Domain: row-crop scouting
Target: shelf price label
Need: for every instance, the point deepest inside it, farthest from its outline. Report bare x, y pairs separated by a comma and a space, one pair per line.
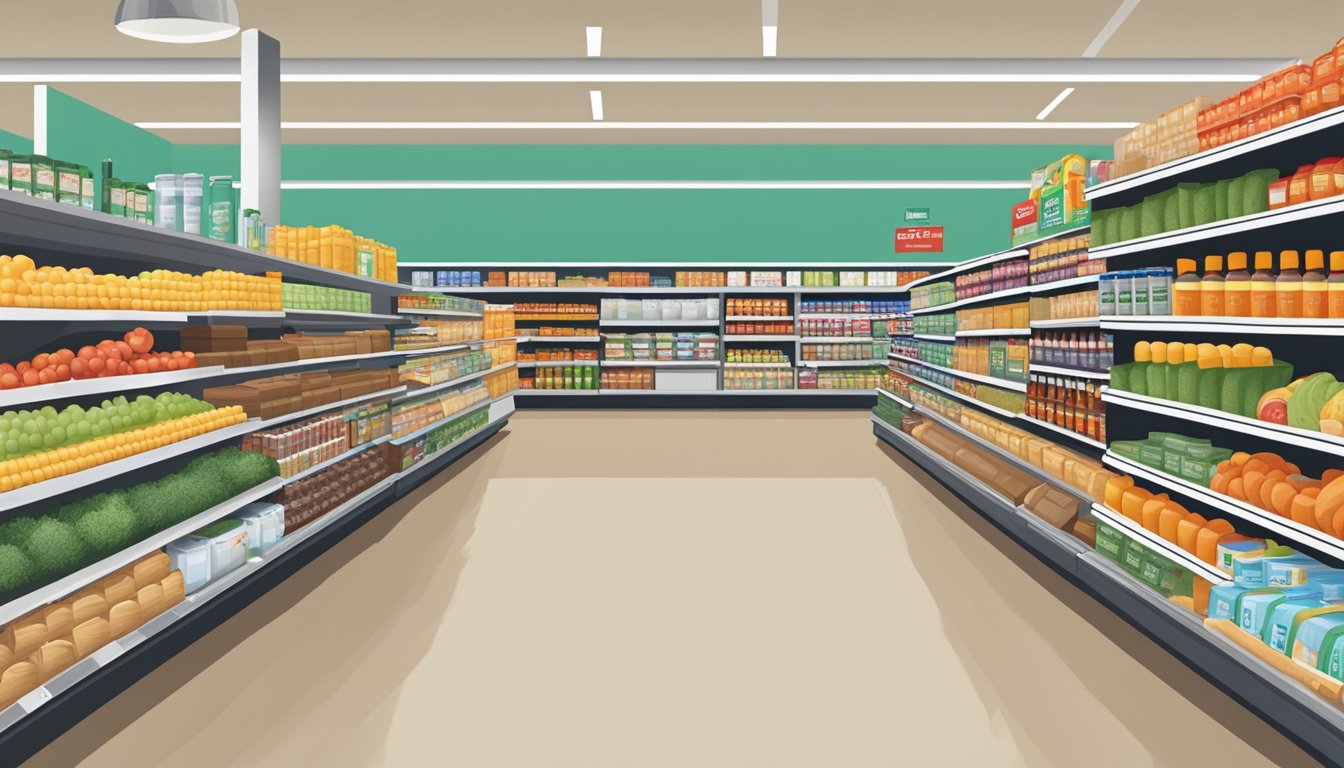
919, 239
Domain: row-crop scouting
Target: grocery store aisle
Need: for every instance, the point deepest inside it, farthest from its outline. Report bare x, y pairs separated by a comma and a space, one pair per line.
675, 589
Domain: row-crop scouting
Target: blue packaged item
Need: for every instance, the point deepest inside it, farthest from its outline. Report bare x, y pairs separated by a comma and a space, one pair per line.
1256, 571
1255, 605
1223, 600
1287, 616
1290, 571
441, 277
1318, 641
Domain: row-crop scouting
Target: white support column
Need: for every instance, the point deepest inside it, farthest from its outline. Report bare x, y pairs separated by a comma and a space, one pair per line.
39, 119
261, 125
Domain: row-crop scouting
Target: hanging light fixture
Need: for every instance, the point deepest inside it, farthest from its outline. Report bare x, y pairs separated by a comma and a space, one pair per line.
178, 21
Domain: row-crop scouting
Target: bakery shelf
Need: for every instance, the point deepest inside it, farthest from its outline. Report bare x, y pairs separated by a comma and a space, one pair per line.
1072, 322
840, 363
65, 390
1278, 326
1280, 433
1243, 149
1151, 540
760, 318
659, 363
441, 313
411, 394
1286, 529
994, 332
759, 337
89, 574
1095, 445
1313, 211
1078, 373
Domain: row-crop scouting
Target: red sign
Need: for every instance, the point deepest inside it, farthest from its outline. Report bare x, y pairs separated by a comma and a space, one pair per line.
916, 239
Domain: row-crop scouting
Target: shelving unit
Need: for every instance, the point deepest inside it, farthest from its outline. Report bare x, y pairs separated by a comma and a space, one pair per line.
994, 333
1095, 445
1151, 540
762, 337
1077, 373
1075, 322
660, 363
1278, 433
1234, 325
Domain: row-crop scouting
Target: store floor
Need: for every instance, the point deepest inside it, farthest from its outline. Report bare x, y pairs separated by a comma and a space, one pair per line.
634, 589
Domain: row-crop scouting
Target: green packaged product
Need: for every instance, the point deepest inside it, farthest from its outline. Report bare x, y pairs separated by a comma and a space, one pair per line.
1255, 190
1186, 194
1111, 543
1304, 405
1157, 380
1151, 212
1099, 219
44, 178
1120, 376
1152, 455
1171, 462
1187, 383
1134, 556
1173, 384
1242, 387
1200, 464
5, 156
1222, 191
1129, 223
1171, 210
1210, 388
1113, 226
1138, 378
1235, 190
1128, 449
1206, 205
1181, 444
21, 173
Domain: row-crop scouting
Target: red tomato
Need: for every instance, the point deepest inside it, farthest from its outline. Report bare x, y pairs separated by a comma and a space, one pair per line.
40, 361
153, 363
139, 340
87, 352
139, 365
30, 378
79, 368
9, 380
62, 372
47, 376
97, 366
65, 355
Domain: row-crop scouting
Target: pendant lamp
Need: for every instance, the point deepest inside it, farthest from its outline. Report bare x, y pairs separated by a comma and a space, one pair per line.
178, 21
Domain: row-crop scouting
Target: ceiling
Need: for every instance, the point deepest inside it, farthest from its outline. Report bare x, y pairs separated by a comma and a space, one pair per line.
642, 29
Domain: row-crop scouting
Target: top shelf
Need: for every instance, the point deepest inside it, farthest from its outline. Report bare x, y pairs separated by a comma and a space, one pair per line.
980, 262
29, 224
1285, 147
674, 291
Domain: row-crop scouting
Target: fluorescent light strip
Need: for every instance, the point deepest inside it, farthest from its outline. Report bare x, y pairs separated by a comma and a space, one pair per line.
769, 40
594, 42
660, 126
447, 184
595, 100
1064, 94
1112, 26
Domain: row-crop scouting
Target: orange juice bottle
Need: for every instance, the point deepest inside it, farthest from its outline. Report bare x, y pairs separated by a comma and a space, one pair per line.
1264, 303
1211, 300
1335, 285
1185, 289
1288, 287
1314, 287
1237, 286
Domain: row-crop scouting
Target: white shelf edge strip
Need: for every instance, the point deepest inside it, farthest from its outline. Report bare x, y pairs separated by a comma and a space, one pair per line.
995, 332
659, 363
85, 576
758, 318
1201, 324
442, 313
1317, 441
1075, 372
840, 363
841, 340
1166, 548
1073, 322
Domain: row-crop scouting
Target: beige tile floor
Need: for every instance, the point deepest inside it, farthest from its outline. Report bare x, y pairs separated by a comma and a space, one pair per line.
675, 589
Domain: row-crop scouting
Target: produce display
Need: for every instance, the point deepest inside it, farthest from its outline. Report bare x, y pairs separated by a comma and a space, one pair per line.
755, 307
658, 310
439, 303
864, 351
24, 284
1080, 350
1185, 205
753, 328
660, 346
415, 415
334, 247
44, 444
317, 297
276, 396
1222, 377
321, 492
1071, 403
758, 378
131, 355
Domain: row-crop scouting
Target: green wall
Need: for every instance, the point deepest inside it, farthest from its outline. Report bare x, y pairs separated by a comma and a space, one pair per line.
79, 133
651, 225
15, 143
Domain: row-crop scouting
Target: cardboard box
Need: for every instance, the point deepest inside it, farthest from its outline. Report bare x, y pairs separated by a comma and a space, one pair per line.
214, 338
247, 397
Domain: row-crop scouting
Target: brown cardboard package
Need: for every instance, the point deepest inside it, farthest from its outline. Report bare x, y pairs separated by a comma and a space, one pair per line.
1086, 531
247, 397
1053, 505
214, 338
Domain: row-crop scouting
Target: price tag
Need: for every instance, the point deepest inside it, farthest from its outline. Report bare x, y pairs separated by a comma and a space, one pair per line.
35, 699
104, 656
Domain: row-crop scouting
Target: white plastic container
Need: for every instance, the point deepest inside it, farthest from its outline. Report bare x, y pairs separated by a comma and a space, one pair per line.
168, 194
226, 546
191, 556
265, 525
193, 195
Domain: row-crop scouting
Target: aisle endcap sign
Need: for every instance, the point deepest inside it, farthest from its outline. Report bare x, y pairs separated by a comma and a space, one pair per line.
919, 239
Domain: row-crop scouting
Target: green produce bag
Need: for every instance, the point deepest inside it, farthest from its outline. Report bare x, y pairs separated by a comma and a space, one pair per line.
1150, 214
1138, 378
1113, 226
1157, 380
1128, 449
1206, 205
1099, 227
1120, 376
1130, 228
1236, 189
1255, 190
1187, 382
1171, 210
1173, 384
1222, 191
1186, 195
1210, 393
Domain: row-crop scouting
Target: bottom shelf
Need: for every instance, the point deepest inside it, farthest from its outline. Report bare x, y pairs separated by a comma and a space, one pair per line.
44, 714
1309, 721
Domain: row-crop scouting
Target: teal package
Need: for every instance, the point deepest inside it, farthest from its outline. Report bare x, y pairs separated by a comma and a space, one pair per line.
1254, 606
1319, 643
1279, 628
1223, 601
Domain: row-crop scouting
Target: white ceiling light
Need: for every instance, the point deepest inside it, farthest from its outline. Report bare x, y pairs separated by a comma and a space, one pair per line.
655, 126
595, 98
178, 21
1064, 94
769, 27
594, 42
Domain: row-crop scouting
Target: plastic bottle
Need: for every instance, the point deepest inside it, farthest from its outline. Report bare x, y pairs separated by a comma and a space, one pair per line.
1185, 290
1106, 295
1124, 293
1335, 285
1159, 291
1288, 286
1264, 302
1211, 300
1237, 286
1314, 286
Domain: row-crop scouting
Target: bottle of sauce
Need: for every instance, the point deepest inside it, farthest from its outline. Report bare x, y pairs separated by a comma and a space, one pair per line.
1185, 290
1264, 302
1314, 286
1288, 287
1211, 298
1335, 285
1237, 286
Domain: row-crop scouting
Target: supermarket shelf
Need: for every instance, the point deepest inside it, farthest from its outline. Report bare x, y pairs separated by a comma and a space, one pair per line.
660, 363
969, 265
431, 427
1310, 211
1278, 326
258, 425
840, 363
1095, 445
1078, 373
839, 339
1286, 529
73, 231
1279, 433
526, 317
1290, 707
1057, 285
38, 315
994, 409
559, 364
85, 576
1074, 322
1016, 386
1242, 148
564, 392
410, 478
559, 339
759, 318
901, 401
358, 449
335, 317
935, 337
411, 394
660, 323
853, 315
758, 365
994, 332
1151, 540
682, 290
441, 313
65, 390
47, 489
759, 337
